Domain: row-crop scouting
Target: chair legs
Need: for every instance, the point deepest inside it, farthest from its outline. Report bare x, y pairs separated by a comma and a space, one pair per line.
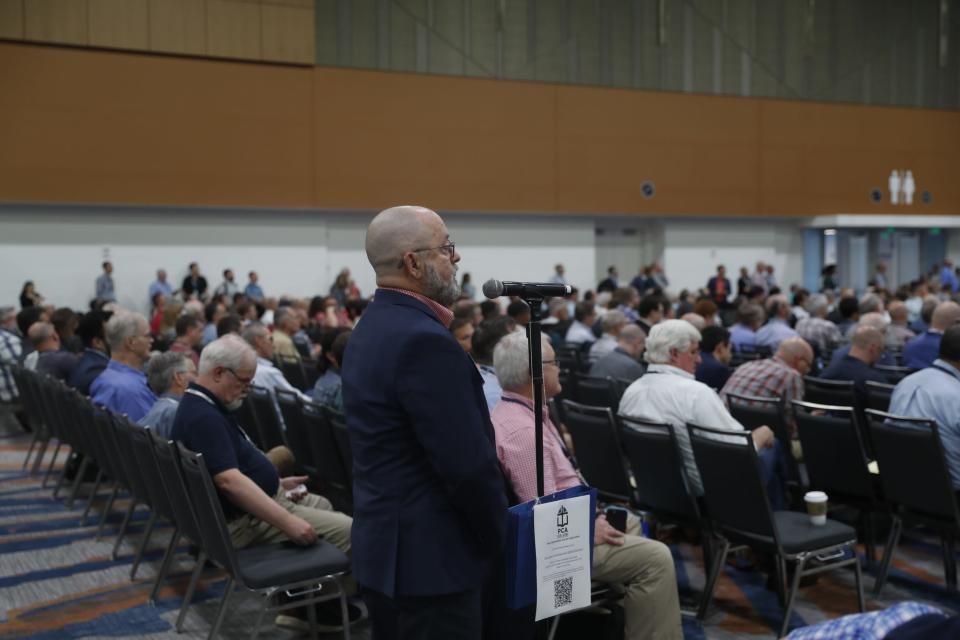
188, 597
53, 460
345, 614
227, 592
106, 510
123, 527
949, 562
144, 541
76, 481
90, 498
63, 475
712, 576
164, 566
859, 578
791, 594
33, 443
888, 555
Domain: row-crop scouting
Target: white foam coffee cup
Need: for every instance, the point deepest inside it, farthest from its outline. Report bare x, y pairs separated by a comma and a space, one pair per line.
816, 507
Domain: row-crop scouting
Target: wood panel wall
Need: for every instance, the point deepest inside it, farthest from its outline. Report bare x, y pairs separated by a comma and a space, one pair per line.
104, 127
265, 30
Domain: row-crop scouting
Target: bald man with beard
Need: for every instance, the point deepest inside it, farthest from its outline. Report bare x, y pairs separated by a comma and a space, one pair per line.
429, 496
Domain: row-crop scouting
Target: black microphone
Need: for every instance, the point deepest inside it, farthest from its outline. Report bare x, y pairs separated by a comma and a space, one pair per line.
493, 288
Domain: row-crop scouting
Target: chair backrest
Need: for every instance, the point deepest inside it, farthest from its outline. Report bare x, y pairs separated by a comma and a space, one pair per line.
147, 463
833, 451
293, 371
654, 458
754, 412
894, 373
168, 465
98, 436
297, 437
595, 443
206, 508
341, 437
878, 395
330, 468
913, 468
835, 393
571, 357
268, 422
124, 442
247, 419
103, 421
596, 392
733, 492
311, 372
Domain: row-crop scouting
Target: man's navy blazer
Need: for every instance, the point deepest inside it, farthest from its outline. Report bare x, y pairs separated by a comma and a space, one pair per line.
428, 494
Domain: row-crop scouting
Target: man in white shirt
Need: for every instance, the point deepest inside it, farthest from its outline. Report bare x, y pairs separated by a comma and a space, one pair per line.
669, 393
585, 314
267, 375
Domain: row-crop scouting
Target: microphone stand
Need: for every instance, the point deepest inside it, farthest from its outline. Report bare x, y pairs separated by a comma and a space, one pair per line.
536, 371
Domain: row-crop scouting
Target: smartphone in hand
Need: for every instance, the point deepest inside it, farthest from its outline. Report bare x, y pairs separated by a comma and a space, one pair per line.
617, 517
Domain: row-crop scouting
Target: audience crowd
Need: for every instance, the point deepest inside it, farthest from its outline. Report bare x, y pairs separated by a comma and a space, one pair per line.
678, 355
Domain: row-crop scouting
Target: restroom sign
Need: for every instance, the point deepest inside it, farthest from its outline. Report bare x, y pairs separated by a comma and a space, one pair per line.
901, 186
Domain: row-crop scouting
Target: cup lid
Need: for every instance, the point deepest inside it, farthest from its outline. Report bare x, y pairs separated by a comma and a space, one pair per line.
815, 496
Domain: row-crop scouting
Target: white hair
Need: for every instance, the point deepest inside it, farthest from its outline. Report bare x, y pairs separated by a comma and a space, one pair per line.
667, 335
229, 352
873, 319
612, 320
511, 360
817, 303
122, 325
161, 367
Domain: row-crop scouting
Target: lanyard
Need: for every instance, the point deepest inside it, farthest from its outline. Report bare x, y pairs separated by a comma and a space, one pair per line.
234, 422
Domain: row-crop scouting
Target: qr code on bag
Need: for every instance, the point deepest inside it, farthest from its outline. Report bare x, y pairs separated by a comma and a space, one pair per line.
563, 592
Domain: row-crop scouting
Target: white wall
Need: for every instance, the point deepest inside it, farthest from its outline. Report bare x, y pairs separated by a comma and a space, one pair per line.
694, 247
295, 252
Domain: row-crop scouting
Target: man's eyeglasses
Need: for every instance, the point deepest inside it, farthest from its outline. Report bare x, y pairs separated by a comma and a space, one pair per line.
246, 382
446, 249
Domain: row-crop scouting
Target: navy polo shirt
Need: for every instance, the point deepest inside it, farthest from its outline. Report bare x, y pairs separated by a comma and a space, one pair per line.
712, 372
850, 368
205, 426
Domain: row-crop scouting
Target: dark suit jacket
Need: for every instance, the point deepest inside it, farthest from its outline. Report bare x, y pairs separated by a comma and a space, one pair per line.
712, 287
429, 501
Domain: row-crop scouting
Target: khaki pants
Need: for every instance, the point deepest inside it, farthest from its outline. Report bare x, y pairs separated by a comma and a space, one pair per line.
331, 525
644, 570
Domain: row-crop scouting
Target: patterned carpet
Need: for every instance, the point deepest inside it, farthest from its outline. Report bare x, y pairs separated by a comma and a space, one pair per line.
57, 581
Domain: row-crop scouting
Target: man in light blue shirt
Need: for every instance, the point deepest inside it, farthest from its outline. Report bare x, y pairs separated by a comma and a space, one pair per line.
168, 375
948, 279
160, 286
934, 393
122, 387
105, 289
743, 335
253, 290
777, 329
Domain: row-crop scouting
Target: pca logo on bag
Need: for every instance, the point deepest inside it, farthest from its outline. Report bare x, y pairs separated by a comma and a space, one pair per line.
563, 519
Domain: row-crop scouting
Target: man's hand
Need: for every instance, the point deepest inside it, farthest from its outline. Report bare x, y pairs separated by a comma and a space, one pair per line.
604, 533
291, 482
300, 531
763, 437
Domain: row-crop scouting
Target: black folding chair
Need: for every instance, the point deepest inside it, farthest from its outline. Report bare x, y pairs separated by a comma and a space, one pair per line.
878, 395
595, 443
916, 483
140, 484
292, 369
572, 358
267, 570
247, 419
596, 392
739, 509
268, 421
753, 412
837, 463
297, 436
894, 373
311, 372
334, 478
341, 437
168, 465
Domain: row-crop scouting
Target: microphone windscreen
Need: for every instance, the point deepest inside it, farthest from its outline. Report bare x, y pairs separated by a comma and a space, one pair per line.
493, 288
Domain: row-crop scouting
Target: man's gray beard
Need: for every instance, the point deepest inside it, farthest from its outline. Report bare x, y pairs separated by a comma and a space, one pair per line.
236, 404
445, 293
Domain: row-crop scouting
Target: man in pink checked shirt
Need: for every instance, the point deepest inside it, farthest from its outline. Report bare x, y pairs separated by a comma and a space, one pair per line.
642, 568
